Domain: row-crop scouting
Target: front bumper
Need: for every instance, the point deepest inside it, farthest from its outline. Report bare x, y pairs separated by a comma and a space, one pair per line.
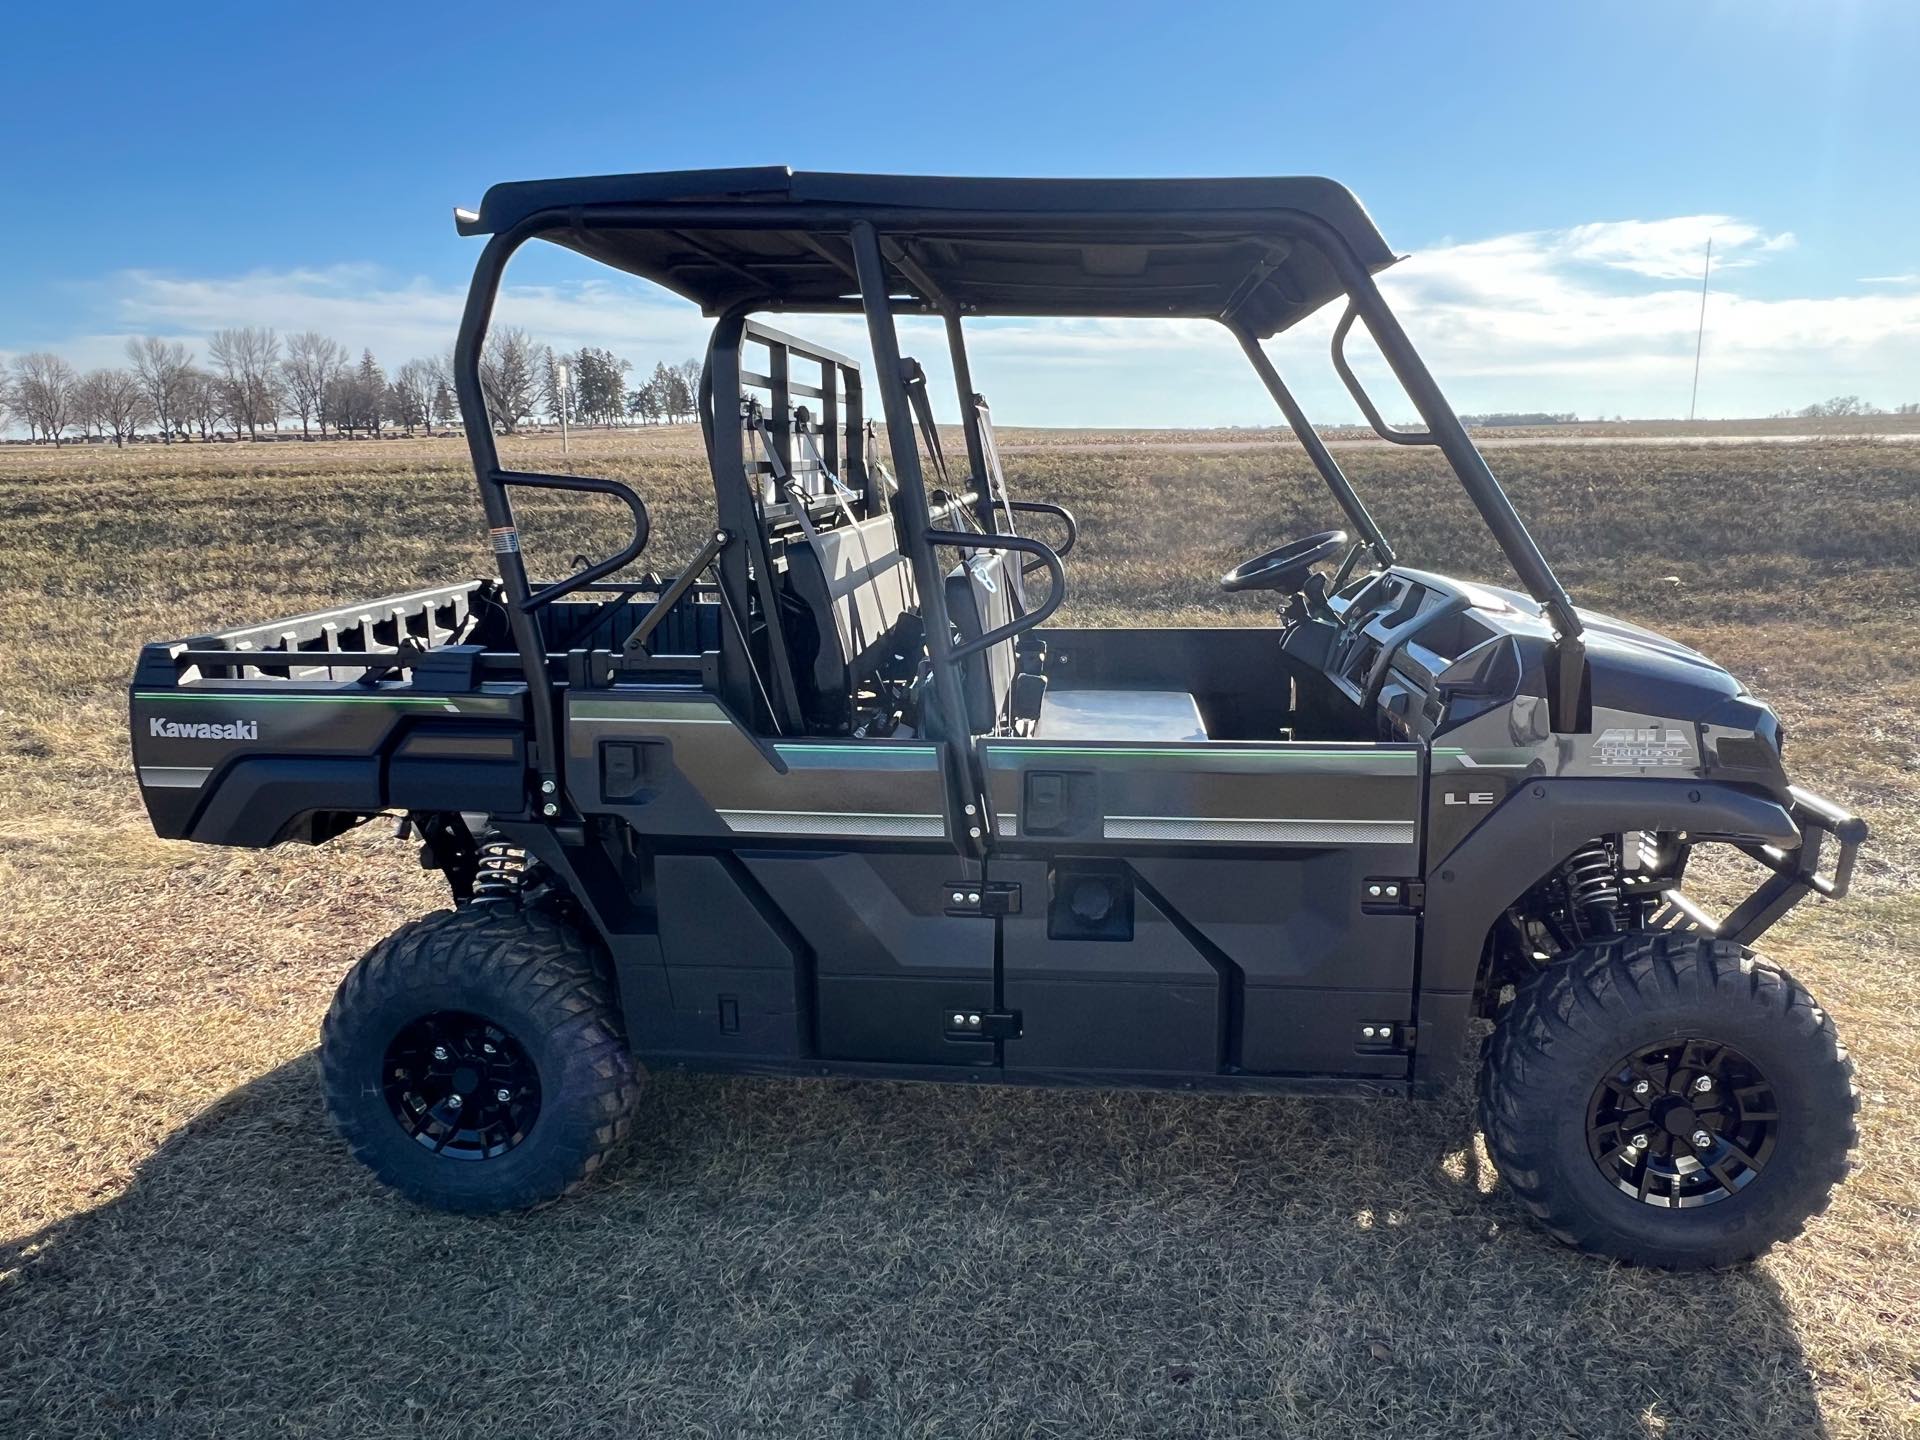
1794, 873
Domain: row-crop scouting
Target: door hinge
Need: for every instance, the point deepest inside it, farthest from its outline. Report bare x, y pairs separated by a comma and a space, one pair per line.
1390, 895
973, 898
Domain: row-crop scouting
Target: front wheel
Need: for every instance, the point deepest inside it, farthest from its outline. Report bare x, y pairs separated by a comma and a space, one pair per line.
1669, 1100
475, 1059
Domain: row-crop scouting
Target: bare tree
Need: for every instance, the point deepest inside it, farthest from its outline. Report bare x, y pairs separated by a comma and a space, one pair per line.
115, 402
311, 362
200, 400
248, 364
43, 392
690, 377
1838, 408
413, 394
86, 405
163, 367
509, 378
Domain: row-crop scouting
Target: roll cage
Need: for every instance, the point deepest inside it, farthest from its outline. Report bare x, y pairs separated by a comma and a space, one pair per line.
1255, 255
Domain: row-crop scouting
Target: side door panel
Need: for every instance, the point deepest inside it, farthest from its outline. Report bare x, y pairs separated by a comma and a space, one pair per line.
829, 938
1246, 870
1103, 978
890, 968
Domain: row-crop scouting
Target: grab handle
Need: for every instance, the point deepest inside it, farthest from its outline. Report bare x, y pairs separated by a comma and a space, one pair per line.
1020, 624
592, 485
1359, 393
1058, 512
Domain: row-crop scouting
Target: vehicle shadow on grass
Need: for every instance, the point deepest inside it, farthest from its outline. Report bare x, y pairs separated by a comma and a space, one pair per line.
783, 1258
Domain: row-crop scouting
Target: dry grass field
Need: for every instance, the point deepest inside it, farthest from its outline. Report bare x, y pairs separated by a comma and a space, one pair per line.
185, 1249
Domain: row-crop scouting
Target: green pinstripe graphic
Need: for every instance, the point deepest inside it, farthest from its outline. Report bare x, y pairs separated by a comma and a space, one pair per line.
255, 697
1508, 756
854, 747
882, 755
1209, 752
851, 753
692, 712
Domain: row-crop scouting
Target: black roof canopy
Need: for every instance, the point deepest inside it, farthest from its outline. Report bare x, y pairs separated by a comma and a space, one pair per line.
1251, 250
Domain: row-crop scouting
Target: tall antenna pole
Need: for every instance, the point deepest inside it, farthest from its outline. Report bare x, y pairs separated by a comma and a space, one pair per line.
1700, 337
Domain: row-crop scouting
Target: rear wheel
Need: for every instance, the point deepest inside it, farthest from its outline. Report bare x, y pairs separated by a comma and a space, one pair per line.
1668, 1099
475, 1059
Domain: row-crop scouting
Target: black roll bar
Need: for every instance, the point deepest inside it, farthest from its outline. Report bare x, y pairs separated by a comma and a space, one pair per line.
1444, 430
522, 622
1316, 448
917, 530
970, 419
745, 568
1450, 436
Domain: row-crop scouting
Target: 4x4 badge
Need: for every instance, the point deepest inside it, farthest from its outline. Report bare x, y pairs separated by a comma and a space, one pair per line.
1638, 745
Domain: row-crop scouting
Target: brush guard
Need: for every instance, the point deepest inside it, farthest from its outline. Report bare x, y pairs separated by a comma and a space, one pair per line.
1795, 874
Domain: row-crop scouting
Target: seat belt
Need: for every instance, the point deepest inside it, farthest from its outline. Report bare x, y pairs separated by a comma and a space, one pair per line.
889, 487
916, 383
843, 494
785, 483
996, 482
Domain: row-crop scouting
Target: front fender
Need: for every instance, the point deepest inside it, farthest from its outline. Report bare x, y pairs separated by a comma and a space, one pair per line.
1533, 831
1541, 824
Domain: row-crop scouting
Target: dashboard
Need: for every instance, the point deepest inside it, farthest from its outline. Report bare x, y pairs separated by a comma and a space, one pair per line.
1415, 651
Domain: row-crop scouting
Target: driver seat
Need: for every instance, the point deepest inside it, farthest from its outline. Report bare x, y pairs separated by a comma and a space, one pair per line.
1120, 715
978, 600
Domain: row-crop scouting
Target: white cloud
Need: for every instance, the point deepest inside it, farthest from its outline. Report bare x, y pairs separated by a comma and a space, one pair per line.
1671, 249
1531, 313
1595, 319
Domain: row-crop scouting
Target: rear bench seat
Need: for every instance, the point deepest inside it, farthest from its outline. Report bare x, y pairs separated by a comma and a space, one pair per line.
854, 580
979, 600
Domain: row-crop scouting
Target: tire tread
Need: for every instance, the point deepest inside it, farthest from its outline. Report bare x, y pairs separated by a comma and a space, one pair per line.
1628, 978
541, 965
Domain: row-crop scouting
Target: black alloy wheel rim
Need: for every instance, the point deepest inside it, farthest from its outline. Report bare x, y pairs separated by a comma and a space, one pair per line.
461, 1086
1683, 1123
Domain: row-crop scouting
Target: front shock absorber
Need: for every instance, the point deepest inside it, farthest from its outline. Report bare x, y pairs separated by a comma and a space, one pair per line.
1592, 878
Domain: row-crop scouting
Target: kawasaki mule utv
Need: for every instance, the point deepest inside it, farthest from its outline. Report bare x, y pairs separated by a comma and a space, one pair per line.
837, 798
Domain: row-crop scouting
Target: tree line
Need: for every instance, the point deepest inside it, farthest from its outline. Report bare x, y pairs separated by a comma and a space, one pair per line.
1841, 407
253, 379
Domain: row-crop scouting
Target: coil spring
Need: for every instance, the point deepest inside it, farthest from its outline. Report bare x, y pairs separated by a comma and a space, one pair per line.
1593, 887
499, 871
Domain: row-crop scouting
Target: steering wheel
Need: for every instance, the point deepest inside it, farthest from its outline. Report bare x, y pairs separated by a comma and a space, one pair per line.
1287, 567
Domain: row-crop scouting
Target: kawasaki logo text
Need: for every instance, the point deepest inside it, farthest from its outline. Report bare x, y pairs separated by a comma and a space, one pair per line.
229, 730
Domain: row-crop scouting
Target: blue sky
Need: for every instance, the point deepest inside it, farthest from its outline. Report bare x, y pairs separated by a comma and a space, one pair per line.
1553, 171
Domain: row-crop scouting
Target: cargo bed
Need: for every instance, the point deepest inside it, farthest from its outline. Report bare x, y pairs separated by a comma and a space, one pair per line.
297, 729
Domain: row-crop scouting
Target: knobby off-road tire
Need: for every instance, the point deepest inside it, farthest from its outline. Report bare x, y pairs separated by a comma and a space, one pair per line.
529, 992
1584, 1019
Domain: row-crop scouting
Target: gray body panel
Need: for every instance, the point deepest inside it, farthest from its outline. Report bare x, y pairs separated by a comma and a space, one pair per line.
802, 903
